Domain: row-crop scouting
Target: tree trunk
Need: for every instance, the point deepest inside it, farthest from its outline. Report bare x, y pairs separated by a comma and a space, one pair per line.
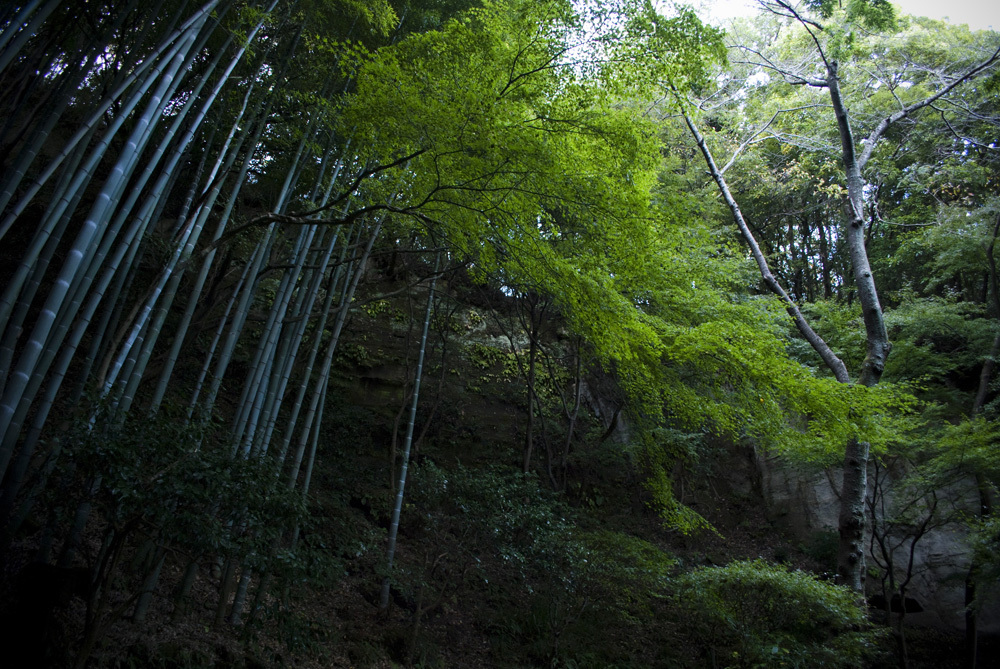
850, 553
835, 364
983, 486
851, 560
851, 521
407, 442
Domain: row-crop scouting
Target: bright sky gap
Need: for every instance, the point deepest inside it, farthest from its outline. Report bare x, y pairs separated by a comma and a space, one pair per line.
977, 14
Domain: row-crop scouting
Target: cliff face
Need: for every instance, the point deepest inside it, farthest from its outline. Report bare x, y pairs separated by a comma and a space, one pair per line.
476, 413
932, 561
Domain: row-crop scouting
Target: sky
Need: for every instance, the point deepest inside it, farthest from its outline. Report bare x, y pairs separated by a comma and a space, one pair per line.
978, 14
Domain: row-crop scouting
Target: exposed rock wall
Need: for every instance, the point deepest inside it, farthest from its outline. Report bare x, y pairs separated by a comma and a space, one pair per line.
804, 501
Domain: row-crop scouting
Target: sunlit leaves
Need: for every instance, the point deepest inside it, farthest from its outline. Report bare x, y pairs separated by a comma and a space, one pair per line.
527, 156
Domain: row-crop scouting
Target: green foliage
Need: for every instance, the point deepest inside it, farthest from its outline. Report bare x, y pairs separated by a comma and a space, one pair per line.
841, 327
756, 614
518, 136
557, 594
522, 155
486, 357
969, 446
632, 572
496, 371
936, 338
985, 540
845, 20
378, 307
821, 546
735, 377
378, 14
159, 478
948, 257
675, 516
599, 618
660, 458
872, 14
507, 513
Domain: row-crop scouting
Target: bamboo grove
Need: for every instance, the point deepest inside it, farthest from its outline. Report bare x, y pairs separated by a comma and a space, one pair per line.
188, 186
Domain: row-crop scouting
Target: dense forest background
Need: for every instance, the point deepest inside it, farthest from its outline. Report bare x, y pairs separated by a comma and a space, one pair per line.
497, 333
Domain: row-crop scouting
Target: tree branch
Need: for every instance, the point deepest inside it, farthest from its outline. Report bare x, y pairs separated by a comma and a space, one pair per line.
362, 175
809, 25
884, 124
961, 138
788, 76
752, 137
835, 364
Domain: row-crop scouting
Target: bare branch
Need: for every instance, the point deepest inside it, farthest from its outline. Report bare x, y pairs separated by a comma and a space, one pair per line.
788, 76
753, 137
968, 111
791, 15
884, 124
967, 140
362, 175
811, 27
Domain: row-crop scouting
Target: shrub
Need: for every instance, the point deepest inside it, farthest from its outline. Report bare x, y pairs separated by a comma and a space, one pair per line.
756, 614
553, 594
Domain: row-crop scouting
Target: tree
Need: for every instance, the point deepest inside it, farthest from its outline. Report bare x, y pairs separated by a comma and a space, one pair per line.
832, 44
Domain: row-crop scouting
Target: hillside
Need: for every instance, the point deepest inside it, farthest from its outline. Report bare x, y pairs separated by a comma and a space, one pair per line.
497, 333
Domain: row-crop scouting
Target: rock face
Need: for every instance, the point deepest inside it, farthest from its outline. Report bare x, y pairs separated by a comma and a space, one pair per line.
805, 503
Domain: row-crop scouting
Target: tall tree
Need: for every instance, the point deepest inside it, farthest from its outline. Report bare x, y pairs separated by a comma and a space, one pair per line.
827, 32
